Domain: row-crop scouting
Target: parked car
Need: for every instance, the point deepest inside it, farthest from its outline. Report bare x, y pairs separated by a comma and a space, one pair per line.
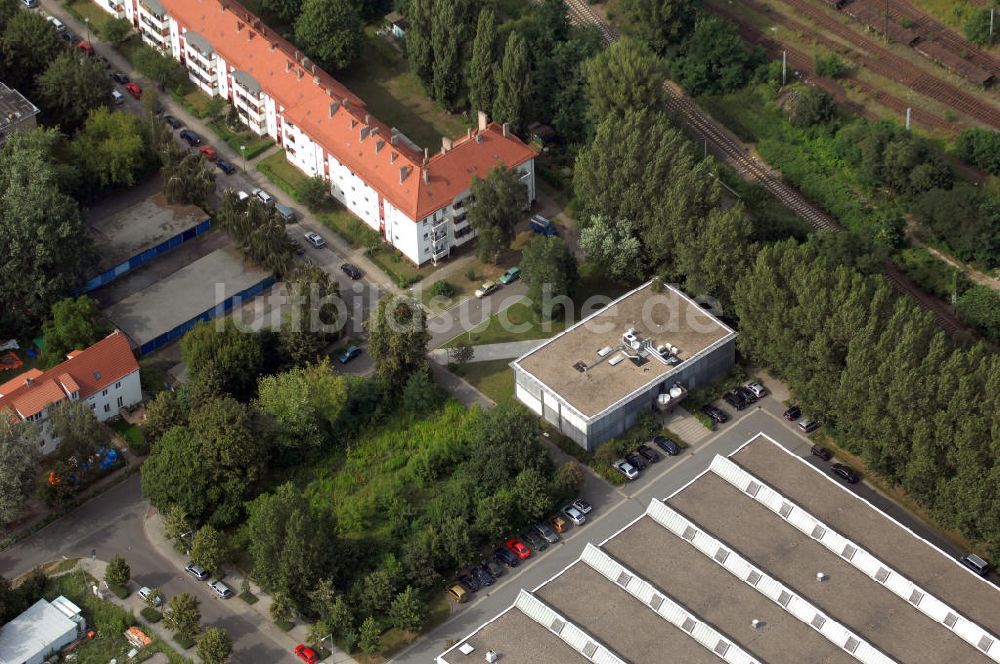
209, 152
976, 564
636, 461
667, 445
534, 540
196, 571
626, 469
144, 594
821, 452
845, 473
756, 388
221, 589
559, 523
172, 121
134, 90
487, 288
792, 413
286, 213
306, 654
85, 48
482, 576
349, 354
225, 166
117, 97
457, 593
506, 557
546, 532
511, 275
583, 506
190, 137
734, 401
468, 582
263, 196
518, 548
647, 453
717, 414
242, 195
808, 425
315, 239
493, 567
56, 23
69, 37
574, 515
749, 396
351, 270
30, 4
120, 78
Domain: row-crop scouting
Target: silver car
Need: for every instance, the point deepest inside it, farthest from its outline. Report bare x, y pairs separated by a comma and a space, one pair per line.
221, 589
574, 515
196, 571
546, 532
144, 593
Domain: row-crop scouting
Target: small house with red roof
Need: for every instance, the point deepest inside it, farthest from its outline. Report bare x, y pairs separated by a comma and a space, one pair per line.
415, 199
105, 376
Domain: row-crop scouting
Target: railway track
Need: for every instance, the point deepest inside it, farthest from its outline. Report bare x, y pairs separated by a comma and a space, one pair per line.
733, 152
887, 64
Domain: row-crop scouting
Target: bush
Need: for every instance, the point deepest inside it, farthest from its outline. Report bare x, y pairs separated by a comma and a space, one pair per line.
929, 272
470, 274
980, 307
977, 28
120, 591
980, 148
116, 31
814, 106
830, 65
443, 289
314, 193
184, 641
151, 615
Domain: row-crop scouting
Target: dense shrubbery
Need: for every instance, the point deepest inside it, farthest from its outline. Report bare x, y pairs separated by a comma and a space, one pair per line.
981, 148
964, 218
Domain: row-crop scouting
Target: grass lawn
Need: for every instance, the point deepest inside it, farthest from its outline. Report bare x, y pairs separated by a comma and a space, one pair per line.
464, 286
199, 104
383, 80
527, 323
493, 378
132, 433
85, 9
108, 620
254, 144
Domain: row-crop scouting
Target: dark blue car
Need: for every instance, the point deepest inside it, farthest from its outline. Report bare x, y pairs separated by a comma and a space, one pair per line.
190, 137
225, 166
349, 354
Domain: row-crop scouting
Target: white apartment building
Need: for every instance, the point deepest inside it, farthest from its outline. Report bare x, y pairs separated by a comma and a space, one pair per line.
413, 199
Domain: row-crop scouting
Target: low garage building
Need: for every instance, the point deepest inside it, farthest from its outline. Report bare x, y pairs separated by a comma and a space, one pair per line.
46, 627
594, 380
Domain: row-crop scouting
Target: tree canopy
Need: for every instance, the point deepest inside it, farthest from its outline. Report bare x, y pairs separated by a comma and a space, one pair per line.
498, 204
28, 45
220, 351
306, 403
75, 325
110, 147
549, 269
513, 83
330, 31
70, 88
19, 445
397, 339
661, 23
625, 76
715, 59
481, 74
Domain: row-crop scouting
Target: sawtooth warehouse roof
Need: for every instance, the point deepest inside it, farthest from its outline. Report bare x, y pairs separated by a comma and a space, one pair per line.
761, 558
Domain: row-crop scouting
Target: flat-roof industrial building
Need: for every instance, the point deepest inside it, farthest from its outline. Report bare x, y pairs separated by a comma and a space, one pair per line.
594, 380
44, 628
761, 558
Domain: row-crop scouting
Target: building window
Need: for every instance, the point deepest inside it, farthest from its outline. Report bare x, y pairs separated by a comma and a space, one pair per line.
118, 385
93, 406
104, 393
107, 408
120, 402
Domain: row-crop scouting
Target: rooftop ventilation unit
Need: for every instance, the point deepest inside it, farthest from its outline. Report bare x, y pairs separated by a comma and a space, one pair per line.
630, 339
616, 359
581, 367
492, 656
604, 351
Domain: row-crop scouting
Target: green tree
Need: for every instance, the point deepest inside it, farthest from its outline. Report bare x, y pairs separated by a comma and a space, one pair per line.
215, 646
981, 148
625, 76
615, 246
716, 59
661, 23
549, 270
70, 88
513, 83
377, 591
317, 315
281, 608
719, 247
8, 10
315, 193
158, 66
980, 307
567, 481
286, 11
397, 339
481, 74
109, 148
177, 527
407, 612
330, 31
419, 44
209, 549
19, 445
116, 31
237, 357
977, 27
76, 427
187, 177
421, 395
46, 248
370, 636
154, 597
75, 325
164, 412
28, 45
183, 615
306, 402
446, 28
499, 203
532, 494
118, 572
812, 107
830, 65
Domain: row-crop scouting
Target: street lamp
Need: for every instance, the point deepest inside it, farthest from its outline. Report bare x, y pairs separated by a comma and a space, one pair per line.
87, 21
243, 151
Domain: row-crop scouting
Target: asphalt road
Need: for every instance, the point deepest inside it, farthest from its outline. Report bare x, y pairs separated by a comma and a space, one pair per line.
616, 508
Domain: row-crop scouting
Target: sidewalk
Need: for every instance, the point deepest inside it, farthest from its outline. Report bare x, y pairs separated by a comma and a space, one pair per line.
487, 352
258, 614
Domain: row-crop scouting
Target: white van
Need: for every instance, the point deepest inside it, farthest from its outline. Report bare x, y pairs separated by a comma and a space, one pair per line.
56, 23
117, 97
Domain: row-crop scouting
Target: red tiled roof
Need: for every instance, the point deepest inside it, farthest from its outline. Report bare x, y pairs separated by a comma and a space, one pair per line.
335, 118
89, 371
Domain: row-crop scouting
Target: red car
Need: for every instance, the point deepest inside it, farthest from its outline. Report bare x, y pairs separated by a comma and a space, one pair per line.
86, 48
209, 152
518, 548
134, 90
306, 654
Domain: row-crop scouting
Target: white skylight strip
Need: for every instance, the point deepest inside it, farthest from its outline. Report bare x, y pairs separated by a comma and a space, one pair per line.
853, 554
573, 636
668, 609
767, 585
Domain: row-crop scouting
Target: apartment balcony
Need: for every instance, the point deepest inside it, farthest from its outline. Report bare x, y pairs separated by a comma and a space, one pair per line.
439, 255
439, 224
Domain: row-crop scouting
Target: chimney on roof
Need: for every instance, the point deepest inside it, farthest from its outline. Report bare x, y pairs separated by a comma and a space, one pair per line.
346, 102
403, 172
306, 62
427, 154
250, 35
446, 144
393, 139
427, 175
316, 80
368, 119
479, 138
333, 108
483, 120
298, 55
468, 134
28, 382
506, 130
